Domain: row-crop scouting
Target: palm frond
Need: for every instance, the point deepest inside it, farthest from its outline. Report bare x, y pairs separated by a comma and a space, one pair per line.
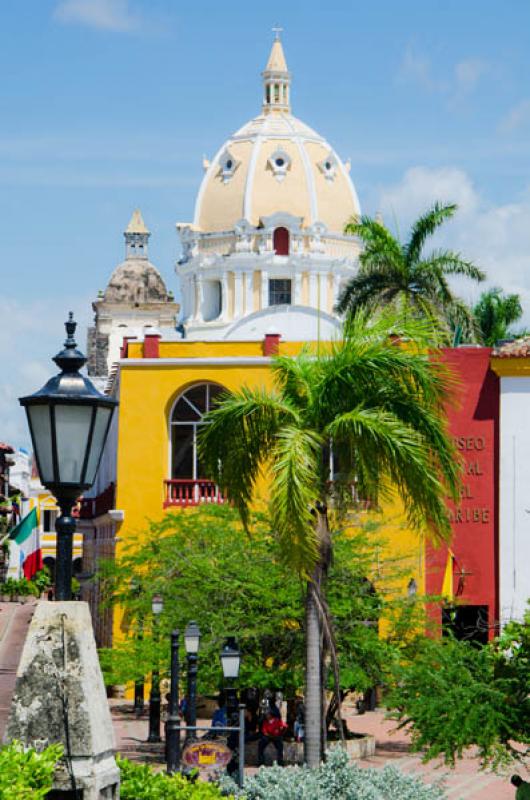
451, 263
239, 436
424, 227
369, 289
294, 494
389, 454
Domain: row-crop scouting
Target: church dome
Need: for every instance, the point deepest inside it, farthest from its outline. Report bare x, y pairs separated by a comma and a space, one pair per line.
136, 281
275, 163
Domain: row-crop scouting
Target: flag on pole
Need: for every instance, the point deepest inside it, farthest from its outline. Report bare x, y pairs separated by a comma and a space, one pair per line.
26, 535
447, 585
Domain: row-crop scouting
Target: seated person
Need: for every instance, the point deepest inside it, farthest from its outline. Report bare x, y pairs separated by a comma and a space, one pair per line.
272, 730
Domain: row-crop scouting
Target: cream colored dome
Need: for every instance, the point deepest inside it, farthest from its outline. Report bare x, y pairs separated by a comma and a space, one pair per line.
275, 163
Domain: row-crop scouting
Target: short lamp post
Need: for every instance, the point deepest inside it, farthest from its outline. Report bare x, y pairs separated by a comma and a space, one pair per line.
157, 606
139, 687
173, 719
69, 421
192, 640
231, 661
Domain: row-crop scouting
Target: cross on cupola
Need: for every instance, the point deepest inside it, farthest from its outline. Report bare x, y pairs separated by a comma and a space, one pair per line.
276, 79
136, 236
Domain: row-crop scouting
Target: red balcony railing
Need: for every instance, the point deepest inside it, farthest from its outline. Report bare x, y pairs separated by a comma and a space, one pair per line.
184, 492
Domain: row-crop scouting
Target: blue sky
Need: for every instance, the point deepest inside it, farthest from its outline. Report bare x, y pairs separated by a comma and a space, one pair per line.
110, 104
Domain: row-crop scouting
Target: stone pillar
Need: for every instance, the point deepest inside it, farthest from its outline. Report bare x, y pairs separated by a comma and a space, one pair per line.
60, 698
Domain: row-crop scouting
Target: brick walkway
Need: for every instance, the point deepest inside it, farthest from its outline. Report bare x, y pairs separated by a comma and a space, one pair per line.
464, 782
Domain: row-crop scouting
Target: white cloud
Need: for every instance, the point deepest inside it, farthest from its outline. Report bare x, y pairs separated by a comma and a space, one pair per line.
467, 75
458, 82
495, 237
107, 15
518, 116
417, 68
31, 334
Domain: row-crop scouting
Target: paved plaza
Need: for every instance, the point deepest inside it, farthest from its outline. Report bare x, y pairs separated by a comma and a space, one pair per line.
465, 782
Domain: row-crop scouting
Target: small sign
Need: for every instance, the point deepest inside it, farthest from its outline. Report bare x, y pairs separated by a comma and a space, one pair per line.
207, 755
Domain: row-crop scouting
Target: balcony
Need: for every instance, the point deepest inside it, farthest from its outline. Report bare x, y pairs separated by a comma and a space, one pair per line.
184, 492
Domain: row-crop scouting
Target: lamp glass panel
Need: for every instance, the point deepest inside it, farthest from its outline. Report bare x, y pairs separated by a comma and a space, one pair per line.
98, 442
72, 426
191, 643
157, 604
39, 417
230, 664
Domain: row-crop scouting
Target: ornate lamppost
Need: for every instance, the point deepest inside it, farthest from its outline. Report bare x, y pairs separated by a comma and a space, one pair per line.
173, 719
231, 661
69, 421
192, 639
157, 606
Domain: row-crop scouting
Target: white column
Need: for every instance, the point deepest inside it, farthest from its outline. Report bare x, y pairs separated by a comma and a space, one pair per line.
238, 295
297, 289
249, 291
224, 297
264, 289
336, 284
197, 312
313, 291
323, 296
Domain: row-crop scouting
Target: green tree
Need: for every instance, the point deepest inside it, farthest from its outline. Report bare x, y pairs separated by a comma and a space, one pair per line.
495, 312
208, 569
403, 276
361, 421
454, 695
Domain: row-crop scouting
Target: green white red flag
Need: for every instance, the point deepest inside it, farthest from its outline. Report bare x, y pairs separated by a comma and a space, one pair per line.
26, 535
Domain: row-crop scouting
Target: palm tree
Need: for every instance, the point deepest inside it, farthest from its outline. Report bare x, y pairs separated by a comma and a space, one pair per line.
363, 420
405, 277
494, 313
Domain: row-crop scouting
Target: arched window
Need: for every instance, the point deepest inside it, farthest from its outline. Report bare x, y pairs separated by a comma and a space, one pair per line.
280, 241
186, 421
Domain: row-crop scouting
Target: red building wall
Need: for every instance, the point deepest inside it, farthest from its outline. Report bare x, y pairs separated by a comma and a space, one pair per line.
474, 423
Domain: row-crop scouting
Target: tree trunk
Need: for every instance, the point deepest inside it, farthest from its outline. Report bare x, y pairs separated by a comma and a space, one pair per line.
313, 689
313, 685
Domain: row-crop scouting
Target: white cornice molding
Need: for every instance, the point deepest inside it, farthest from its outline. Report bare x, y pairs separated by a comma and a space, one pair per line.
236, 361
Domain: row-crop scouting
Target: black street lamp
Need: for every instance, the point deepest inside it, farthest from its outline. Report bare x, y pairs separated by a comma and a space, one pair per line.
231, 661
69, 421
157, 606
139, 686
173, 719
192, 639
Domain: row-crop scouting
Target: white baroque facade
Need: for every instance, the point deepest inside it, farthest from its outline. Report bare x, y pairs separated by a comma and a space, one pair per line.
266, 250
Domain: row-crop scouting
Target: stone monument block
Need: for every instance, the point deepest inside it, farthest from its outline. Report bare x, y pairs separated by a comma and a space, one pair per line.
60, 698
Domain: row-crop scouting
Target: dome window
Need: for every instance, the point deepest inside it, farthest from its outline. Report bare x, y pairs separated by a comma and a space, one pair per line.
328, 167
228, 166
279, 162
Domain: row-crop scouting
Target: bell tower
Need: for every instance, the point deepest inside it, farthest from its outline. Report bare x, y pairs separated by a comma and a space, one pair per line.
276, 79
136, 237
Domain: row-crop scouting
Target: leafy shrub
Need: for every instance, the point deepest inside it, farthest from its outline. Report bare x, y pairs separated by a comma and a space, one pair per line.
26, 774
334, 780
139, 782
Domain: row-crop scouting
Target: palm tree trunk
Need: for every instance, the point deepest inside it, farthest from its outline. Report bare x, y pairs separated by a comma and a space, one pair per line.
313, 685
313, 748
